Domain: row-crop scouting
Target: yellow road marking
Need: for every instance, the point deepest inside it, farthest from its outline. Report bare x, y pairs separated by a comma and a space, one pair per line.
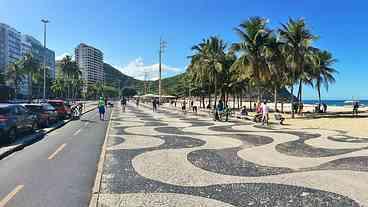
8, 197
57, 151
77, 132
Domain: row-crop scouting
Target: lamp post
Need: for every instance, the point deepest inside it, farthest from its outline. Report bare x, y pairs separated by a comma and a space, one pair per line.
44, 21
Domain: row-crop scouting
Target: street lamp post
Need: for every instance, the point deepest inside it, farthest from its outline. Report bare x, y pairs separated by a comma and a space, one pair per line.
44, 21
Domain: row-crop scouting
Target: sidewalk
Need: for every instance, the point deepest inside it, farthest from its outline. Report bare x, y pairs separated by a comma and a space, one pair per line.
30, 139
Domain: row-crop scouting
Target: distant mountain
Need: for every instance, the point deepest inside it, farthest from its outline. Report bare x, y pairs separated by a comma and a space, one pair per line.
114, 77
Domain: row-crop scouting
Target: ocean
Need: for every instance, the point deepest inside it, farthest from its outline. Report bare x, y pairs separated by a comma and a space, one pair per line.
334, 102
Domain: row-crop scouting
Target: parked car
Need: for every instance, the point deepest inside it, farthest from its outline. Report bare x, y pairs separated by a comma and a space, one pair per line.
14, 119
46, 114
62, 108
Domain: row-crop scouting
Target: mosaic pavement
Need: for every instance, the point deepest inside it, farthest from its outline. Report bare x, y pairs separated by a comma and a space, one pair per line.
171, 159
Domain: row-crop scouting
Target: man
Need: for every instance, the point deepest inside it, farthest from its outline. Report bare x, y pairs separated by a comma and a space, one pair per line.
123, 104
137, 102
101, 108
265, 113
154, 105
355, 108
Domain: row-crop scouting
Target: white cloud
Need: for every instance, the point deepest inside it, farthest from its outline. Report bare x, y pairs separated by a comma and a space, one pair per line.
138, 70
62, 55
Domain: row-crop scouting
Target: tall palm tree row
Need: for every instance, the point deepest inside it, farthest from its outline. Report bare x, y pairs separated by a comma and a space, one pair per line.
263, 60
68, 83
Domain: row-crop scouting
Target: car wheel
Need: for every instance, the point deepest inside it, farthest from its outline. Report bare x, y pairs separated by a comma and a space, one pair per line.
12, 135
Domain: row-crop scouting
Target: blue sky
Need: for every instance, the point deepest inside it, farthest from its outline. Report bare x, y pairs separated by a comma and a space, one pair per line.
128, 32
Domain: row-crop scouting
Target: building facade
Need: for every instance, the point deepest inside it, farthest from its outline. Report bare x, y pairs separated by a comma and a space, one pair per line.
14, 45
10, 46
90, 62
26, 48
39, 52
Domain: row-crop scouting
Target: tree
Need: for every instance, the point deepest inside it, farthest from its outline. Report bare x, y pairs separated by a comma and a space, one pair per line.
297, 40
129, 92
323, 71
252, 64
31, 67
15, 75
208, 62
72, 74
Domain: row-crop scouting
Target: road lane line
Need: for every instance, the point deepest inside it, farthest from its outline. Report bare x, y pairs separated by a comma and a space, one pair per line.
77, 132
97, 185
57, 151
8, 197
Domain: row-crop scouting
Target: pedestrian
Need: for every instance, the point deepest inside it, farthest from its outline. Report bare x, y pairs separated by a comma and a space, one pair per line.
184, 107
355, 108
154, 105
101, 108
324, 107
123, 104
137, 102
265, 111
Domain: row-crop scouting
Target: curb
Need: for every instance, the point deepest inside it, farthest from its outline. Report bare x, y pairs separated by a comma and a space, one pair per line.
97, 184
37, 137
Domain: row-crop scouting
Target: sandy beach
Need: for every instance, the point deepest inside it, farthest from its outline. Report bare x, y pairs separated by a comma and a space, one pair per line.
336, 118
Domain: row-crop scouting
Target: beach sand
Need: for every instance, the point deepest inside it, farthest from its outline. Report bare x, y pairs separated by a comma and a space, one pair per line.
352, 126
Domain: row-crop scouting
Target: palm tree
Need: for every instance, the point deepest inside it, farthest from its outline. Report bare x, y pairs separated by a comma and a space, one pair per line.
70, 71
297, 39
252, 64
323, 73
31, 66
58, 87
208, 62
15, 75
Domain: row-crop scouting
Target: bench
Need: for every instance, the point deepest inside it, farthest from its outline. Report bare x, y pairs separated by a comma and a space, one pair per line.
279, 117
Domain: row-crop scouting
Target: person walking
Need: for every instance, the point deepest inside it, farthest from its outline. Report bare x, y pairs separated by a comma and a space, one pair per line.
154, 105
265, 111
355, 108
123, 104
101, 108
137, 102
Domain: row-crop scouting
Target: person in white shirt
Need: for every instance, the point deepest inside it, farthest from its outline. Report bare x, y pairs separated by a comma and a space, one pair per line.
265, 110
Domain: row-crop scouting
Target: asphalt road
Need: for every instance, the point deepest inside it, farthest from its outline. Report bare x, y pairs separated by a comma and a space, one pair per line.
59, 170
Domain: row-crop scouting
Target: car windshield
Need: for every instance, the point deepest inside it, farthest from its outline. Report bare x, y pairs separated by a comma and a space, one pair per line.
56, 104
34, 108
48, 108
4, 111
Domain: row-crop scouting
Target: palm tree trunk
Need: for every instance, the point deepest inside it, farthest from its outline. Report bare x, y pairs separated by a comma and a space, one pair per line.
319, 93
275, 98
30, 86
234, 101
215, 91
209, 97
292, 102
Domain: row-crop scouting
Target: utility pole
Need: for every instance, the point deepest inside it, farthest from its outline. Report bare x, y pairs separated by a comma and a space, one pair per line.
44, 21
162, 48
145, 81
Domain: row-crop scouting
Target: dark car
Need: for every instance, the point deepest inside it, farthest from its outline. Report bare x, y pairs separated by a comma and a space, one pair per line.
14, 119
46, 114
62, 108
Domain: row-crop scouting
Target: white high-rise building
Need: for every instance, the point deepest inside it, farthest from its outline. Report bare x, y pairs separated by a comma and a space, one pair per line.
10, 45
90, 62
